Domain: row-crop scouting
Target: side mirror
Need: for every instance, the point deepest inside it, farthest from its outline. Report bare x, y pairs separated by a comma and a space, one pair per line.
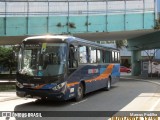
16, 48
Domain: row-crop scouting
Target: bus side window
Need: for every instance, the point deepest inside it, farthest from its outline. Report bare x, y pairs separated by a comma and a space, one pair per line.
93, 58
107, 56
104, 56
83, 54
88, 54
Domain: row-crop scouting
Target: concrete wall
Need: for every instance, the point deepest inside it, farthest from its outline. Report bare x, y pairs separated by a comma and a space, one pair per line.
125, 52
158, 4
19, 26
158, 8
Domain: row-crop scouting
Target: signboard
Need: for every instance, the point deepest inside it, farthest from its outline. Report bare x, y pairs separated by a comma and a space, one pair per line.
145, 65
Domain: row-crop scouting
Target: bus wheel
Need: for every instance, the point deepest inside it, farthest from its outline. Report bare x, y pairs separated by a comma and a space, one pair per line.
80, 92
108, 85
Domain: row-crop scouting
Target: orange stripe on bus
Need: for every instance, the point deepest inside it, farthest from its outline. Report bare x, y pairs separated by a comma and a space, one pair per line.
104, 75
39, 86
72, 84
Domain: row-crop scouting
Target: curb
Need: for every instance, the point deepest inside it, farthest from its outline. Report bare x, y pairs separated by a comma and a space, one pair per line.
153, 82
7, 83
8, 99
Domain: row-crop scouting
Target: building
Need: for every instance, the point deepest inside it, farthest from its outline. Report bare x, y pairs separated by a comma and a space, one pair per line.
158, 6
126, 55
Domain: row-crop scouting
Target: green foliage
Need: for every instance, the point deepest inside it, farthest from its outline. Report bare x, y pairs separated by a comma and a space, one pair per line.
4, 55
157, 26
121, 43
7, 87
59, 24
71, 25
87, 23
7, 58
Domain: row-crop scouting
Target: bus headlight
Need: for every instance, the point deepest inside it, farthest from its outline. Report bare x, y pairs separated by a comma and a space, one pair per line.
19, 84
59, 86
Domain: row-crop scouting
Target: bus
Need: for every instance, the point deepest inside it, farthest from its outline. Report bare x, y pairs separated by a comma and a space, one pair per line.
59, 67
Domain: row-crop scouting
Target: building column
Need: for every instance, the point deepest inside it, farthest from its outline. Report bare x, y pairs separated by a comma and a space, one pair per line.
136, 63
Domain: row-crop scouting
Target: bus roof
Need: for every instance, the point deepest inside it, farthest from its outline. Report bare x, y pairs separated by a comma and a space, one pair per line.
47, 37
68, 39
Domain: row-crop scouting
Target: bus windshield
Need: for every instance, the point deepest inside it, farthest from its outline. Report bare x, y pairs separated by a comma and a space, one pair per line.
45, 59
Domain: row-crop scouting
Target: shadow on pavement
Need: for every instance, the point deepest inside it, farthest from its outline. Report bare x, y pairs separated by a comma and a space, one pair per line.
120, 95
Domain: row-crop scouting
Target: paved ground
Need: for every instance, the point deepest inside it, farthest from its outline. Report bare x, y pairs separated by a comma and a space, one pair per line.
8, 95
129, 94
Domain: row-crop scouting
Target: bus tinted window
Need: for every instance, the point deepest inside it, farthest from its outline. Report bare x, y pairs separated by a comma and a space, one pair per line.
118, 56
72, 57
103, 56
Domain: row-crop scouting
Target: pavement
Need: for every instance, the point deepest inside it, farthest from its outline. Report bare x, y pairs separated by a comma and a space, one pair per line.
140, 78
11, 94
149, 99
7, 94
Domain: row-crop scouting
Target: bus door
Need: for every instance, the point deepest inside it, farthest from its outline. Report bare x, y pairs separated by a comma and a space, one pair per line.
72, 59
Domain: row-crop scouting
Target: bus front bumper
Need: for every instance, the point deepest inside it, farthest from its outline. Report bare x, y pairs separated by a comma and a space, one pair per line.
41, 94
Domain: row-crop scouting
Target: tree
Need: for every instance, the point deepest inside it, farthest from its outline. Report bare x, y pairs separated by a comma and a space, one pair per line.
121, 43
151, 57
7, 58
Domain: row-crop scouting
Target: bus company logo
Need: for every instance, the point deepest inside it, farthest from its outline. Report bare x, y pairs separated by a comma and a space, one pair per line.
6, 114
91, 71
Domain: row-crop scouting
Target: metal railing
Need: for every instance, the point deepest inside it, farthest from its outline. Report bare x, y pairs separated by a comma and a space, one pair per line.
73, 7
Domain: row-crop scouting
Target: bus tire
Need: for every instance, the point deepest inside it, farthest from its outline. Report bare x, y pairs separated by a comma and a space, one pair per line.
79, 92
108, 85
